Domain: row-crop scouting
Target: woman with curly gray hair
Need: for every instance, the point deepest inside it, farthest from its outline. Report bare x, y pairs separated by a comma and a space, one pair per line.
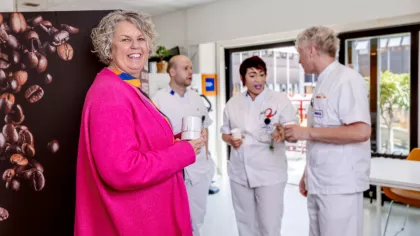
129, 168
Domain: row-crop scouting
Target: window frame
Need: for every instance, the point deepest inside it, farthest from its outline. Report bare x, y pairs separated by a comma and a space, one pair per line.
414, 30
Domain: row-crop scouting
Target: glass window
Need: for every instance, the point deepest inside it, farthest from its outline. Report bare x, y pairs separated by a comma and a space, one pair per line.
386, 68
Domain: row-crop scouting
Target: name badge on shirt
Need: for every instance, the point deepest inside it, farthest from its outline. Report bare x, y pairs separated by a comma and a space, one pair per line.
318, 113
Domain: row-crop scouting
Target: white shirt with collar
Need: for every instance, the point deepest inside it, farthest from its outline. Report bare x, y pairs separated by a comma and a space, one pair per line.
175, 108
253, 164
340, 98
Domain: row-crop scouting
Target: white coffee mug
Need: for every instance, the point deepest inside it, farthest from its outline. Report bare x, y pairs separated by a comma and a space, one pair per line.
236, 133
191, 128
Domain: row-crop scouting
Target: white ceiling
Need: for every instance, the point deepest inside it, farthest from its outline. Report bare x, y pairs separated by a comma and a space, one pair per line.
152, 7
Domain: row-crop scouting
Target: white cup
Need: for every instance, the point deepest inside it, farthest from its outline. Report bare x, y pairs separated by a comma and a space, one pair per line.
191, 128
236, 133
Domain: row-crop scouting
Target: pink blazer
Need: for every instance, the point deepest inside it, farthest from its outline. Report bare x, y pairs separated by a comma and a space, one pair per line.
129, 172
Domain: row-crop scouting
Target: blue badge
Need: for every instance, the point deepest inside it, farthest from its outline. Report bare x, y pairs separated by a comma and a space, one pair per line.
318, 114
210, 85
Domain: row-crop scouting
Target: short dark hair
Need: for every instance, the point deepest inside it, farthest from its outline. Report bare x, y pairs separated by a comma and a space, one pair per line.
252, 62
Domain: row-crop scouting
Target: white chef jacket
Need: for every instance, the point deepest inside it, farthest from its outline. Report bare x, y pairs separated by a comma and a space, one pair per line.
253, 164
340, 98
175, 108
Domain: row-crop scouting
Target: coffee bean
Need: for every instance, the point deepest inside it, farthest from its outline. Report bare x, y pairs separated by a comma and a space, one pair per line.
3, 36
48, 47
20, 127
17, 90
13, 84
9, 118
70, 29
42, 63
8, 175
31, 35
35, 21
19, 170
47, 79
4, 57
27, 173
38, 180
31, 59
28, 150
11, 149
17, 22
34, 93
8, 97
53, 146
37, 165
46, 23
65, 51
2, 141
21, 77
13, 185
5, 105
12, 42
3, 76
15, 116
15, 57
60, 37
25, 136
4, 64
10, 133
5, 27
37, 46
3, 81
22, 22
18, 159
4, 214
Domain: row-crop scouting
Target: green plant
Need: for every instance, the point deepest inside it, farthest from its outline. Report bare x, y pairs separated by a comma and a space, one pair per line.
162, 52
394, 93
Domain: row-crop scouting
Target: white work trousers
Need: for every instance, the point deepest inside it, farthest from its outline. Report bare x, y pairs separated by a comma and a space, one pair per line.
259, 210
197, 199
336, 215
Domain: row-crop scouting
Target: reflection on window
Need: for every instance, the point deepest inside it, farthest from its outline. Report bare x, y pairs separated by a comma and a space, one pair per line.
385, 64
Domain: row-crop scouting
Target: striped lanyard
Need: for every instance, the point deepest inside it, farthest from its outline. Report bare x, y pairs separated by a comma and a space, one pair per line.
137, 83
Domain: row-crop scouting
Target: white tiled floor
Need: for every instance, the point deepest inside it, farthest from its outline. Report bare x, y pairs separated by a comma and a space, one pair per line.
220, 218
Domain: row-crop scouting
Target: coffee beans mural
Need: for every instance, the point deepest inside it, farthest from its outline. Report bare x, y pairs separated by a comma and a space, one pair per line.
46, 68
22, 50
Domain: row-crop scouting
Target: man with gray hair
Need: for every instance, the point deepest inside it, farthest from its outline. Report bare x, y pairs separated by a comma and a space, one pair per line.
338, 138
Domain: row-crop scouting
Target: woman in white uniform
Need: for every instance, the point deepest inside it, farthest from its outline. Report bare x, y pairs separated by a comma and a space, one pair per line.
258, 164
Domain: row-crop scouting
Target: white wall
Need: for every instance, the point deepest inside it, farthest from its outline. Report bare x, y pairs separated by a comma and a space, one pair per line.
171, 29
225, 20
7, 5
206, 55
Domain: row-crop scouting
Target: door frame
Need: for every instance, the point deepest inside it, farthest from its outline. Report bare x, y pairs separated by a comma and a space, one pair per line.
230, 51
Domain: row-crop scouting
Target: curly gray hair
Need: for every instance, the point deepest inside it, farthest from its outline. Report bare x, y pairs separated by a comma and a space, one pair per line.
323, 38
103, 34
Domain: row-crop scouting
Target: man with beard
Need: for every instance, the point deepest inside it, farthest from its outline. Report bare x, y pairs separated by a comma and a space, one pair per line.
176, 102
